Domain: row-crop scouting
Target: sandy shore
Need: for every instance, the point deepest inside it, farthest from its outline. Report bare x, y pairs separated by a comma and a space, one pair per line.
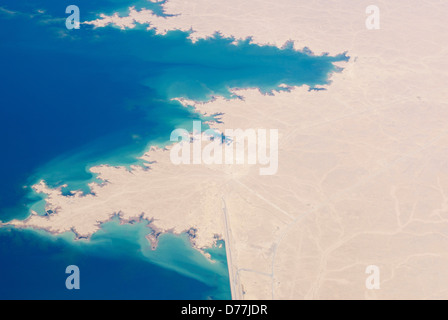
363, 166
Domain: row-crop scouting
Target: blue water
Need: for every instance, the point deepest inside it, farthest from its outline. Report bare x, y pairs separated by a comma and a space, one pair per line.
73, 99
117, 263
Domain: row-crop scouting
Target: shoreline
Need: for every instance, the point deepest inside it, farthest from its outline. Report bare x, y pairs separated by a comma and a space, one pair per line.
361, 173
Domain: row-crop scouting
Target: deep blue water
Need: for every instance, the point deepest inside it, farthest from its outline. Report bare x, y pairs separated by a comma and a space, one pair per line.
70, 99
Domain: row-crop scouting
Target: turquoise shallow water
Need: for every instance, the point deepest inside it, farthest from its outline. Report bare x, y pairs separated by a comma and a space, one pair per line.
70, 100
